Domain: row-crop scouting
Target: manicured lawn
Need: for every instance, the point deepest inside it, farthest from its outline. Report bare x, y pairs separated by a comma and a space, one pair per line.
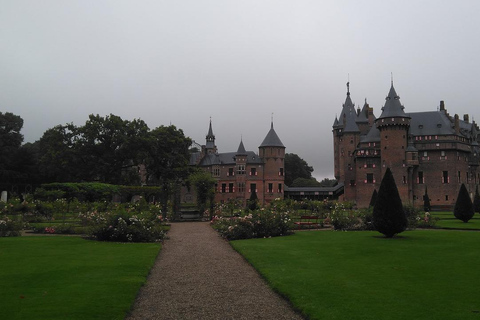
448, 221
71, 278
428, 274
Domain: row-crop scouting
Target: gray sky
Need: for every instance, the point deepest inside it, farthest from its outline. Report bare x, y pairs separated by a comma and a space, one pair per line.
184, 61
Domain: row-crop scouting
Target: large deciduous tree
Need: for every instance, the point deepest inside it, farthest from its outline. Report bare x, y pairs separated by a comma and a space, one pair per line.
10, 141
296, 167
388, 215
167, 159
463, 207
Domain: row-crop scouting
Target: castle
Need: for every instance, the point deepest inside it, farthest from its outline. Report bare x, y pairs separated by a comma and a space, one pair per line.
423, 150
244, 174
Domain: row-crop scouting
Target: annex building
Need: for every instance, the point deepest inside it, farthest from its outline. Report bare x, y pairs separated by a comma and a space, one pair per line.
429, 149
242, 174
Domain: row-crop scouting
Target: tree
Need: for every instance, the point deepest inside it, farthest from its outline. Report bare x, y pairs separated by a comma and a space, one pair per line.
167, 159
326, 182
10, 141
463, 207
426, 202
304, 182
205, 187
373, 199
476, 201
296, 167
388, 215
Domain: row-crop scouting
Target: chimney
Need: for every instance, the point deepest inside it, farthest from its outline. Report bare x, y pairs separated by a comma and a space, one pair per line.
442, 105
465, 118
457, 124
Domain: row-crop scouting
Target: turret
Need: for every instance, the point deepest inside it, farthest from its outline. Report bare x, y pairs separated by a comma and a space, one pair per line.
210, 146
272, 152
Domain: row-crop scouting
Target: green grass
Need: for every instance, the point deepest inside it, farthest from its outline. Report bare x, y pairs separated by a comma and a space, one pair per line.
430, 274
448, 221
71, 278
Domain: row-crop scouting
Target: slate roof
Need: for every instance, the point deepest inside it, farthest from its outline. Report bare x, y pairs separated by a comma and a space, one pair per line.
241, 148
272, 139
351, 124
228, 158
430, 123
392, 108
373, 135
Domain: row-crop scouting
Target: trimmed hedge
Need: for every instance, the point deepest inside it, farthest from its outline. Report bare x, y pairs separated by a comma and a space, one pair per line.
93, 191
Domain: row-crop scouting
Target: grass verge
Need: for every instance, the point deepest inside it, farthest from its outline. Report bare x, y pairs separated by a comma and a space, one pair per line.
430, 274
71, 278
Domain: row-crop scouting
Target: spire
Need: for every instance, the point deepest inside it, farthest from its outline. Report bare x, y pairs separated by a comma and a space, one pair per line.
241, 149
210, 137
272, 139
393, 108
347, 107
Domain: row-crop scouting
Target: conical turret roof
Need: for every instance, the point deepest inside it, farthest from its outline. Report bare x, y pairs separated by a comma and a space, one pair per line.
272, 139
393, 108
351, 125
241, 149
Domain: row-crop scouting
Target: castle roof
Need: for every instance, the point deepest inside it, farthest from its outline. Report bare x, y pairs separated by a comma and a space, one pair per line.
430, 123
362, 115
393, 108
272, 139
228, 158
351, 125
241, 148
372, 136
347, 108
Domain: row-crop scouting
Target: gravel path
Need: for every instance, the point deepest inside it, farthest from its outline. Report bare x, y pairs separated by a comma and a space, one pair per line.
197, 275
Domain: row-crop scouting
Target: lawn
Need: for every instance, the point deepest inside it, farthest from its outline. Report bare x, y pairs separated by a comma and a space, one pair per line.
429, 274
71, 278
448, 221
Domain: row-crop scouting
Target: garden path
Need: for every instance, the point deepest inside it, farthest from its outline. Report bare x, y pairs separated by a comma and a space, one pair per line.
197, 275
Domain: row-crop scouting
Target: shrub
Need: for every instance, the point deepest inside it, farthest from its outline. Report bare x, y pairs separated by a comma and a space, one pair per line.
343, 217
463, 207
122, 227
9, 227
258, 224
388, 215
476, 201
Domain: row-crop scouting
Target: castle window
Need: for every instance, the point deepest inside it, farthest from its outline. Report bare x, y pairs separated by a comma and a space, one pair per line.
420, 179
352, 183
280, 173
370, 178
253, 171
270, 187
442, 155
230, 172
216, 172
224, 187
231, 188
253, 188
445, 178
446, 197
458, 177
279, 188
404, 179
241, 187
241, 169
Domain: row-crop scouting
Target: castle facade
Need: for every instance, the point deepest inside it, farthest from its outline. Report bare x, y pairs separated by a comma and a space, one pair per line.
423, 150
242, 174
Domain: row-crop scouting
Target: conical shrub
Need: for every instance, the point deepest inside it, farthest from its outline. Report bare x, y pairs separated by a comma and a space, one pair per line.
388, 214
373, 199
463, 207
476, 201
426, 202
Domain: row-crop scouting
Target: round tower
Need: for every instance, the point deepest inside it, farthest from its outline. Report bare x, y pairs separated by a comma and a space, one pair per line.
393, 125
272, 152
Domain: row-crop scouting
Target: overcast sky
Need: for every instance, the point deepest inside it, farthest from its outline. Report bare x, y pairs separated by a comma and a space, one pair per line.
184, 61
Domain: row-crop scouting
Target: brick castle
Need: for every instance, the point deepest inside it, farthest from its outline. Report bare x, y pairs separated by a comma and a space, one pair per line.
243, 173
423, 149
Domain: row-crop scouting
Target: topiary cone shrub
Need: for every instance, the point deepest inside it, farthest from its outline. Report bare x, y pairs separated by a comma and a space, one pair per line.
426, 202
373, 199
388, 214
476, 201
463, 207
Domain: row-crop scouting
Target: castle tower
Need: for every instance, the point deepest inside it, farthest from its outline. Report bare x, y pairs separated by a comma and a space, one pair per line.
348, 109
394, 124
272, 152
210, 146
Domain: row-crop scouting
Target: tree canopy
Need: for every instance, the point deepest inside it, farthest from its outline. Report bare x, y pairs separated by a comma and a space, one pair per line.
296, 167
